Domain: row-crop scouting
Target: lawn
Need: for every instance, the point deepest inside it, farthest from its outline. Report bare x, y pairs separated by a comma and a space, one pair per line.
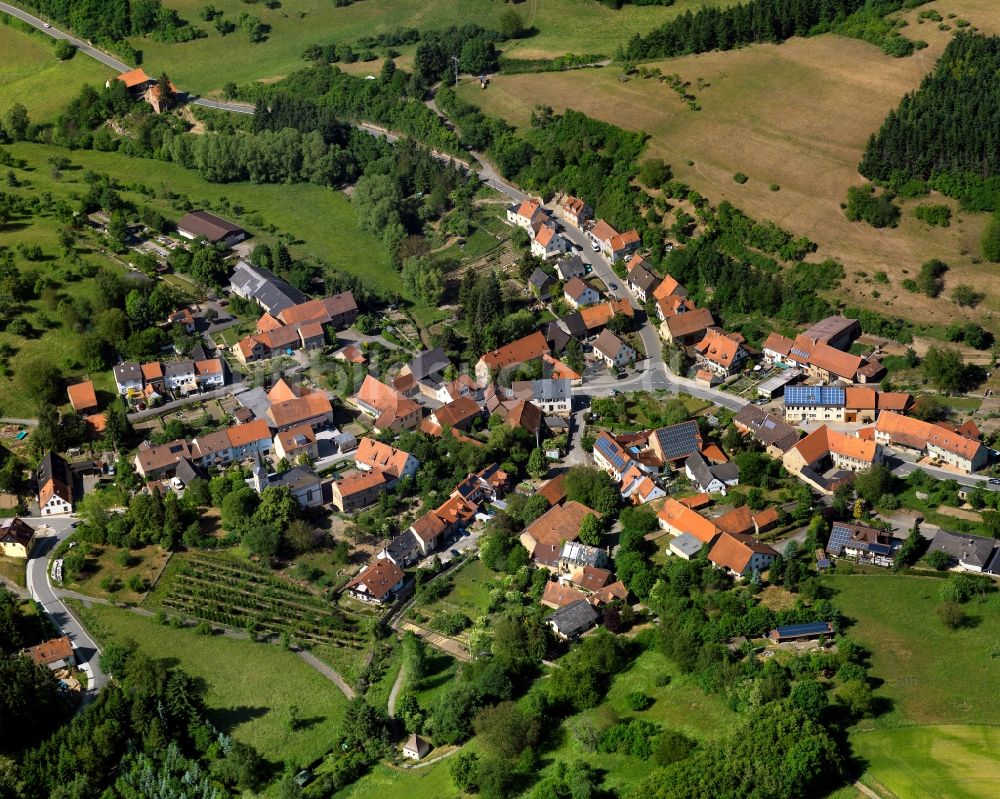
432, 782
915, 656
799, 115
31, 75
205, 65
248, 687
146, 563
469, 594
953, 761
13, 569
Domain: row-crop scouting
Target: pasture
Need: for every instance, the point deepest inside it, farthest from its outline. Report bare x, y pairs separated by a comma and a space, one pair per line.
915, 656
205, 65
248, 686
31, 75
797, 115
953, 761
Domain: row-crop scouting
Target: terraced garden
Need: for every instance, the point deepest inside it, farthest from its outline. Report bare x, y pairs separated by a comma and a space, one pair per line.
248, 597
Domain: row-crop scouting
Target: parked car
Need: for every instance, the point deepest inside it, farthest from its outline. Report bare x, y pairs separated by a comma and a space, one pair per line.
613, 286
994, 481
595, 247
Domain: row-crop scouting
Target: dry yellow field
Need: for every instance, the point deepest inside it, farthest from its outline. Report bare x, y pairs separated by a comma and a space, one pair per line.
799, 115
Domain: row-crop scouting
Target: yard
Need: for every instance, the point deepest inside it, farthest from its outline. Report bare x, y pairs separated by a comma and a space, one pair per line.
109, 577
248, 687
469, 595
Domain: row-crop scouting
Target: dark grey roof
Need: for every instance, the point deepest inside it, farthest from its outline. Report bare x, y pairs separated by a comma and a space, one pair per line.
697, 465
541, 280
831, 327
642, 278
575, 618
686, 543
53, 467
726, 471
570, 265
209, 226
178, 368
574, 325
403, 544
556, 337
428, 362
273, 293
678, 440
127, 372
187, 471
295, 478
994, 565
199, 353
973, 550
767, 429
546, 389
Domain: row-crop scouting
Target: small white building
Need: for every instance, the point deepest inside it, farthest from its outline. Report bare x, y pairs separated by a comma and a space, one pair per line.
416, 748
548, 243
580, 294
612, 350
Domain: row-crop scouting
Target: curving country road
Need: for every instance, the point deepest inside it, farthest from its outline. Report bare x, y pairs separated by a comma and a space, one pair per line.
83, 47
87, 652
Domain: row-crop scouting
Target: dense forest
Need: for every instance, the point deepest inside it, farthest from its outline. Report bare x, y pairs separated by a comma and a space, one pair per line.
712, 28
947, 132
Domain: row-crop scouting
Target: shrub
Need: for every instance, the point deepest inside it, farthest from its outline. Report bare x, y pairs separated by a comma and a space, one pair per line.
863, 204
939, 215
774, 187
637, 700
951, 614
740, 178
966, 296
64, 50
938, 560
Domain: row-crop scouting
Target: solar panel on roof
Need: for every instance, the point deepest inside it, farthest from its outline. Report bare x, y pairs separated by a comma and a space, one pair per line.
769, 424
612, 452
814, 395
678, 440
839, 537
809, 628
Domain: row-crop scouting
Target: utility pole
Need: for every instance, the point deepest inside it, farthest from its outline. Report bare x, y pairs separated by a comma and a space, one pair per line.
455, 59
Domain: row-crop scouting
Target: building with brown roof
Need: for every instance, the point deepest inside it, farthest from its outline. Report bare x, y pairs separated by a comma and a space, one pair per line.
612, 350
390, 409
373, 454
16, 537
579, 294
615, 592
678, 519
57, 653
313, 409
622, 245
359, 490
458, 414
575, 211
82, 397
213, 229
554, 490
527, 214
741, 555
720, 352
557, 595
686, 328
511, 355
592, 578
378, 583
737, 521
937, 443
295, 442
825, 448
547, 242
544, 537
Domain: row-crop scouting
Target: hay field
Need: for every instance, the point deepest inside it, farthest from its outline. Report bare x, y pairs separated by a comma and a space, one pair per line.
798, 115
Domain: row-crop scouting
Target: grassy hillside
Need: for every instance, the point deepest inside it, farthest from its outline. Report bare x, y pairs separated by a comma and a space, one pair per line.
798, 116
31, 75
248, 686
943, 682
205, 65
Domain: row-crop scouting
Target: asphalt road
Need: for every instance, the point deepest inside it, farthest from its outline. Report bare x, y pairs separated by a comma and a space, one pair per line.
87, 652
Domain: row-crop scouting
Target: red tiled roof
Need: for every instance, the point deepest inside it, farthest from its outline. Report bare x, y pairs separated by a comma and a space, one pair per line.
734, 552
82, 396
378, 578
684, 324
517, 352
561, 595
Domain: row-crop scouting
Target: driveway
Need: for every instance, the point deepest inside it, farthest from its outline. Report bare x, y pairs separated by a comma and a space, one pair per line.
52, 530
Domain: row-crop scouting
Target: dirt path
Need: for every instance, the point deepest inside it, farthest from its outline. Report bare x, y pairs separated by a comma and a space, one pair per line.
450, 646
327, 672
396, 688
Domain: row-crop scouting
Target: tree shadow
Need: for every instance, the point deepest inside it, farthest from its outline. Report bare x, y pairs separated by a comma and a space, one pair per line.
227, 719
